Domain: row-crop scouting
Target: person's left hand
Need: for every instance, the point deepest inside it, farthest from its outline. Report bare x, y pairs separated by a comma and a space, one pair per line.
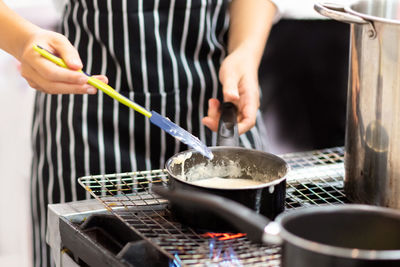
239, 78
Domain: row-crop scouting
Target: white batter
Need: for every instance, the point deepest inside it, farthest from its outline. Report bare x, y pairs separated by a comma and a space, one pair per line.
227, 183
180, 159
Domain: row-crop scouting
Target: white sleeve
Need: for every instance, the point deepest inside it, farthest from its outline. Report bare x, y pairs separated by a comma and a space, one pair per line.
59, 4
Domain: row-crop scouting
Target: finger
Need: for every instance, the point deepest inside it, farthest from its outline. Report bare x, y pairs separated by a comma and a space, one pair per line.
247, 119
64, 88
36, 81
213, 114
53, 72
93, 90
230, 89
245, 125
67, 52
213, 108
102, 78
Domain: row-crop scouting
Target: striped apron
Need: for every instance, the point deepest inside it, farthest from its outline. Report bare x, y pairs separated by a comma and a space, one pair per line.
164, 55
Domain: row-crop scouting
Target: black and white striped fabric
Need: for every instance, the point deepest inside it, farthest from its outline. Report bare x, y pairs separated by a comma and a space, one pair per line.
163, 54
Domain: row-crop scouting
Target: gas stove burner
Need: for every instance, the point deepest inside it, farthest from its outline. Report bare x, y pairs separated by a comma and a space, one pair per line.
142, 226
103, 240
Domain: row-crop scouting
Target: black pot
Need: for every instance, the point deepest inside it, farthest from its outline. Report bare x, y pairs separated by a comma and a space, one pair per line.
230, 161
323, 236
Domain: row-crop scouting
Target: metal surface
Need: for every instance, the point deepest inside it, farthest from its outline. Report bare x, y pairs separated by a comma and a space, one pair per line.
316, 179
228, 162
373, 106
338, 230
338, 13
76, 211
386, 11
267, 197
334, 231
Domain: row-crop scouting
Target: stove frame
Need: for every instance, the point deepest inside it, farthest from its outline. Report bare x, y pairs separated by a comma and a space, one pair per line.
316, 178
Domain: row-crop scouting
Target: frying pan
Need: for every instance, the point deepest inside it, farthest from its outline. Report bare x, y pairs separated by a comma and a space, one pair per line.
189, 168
325, 236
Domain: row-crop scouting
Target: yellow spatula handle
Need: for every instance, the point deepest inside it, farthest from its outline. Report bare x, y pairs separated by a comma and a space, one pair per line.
95, 83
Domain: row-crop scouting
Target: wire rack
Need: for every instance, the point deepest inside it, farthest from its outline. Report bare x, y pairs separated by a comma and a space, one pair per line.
316, 178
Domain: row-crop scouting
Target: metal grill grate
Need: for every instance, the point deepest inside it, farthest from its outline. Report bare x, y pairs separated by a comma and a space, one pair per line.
316, 179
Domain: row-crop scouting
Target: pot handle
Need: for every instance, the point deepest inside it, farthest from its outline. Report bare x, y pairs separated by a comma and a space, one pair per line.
337, 12
256, 226
228, 134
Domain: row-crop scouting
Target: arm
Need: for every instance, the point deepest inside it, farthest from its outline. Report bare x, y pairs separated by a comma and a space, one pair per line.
250, 24
251, 21
17, 37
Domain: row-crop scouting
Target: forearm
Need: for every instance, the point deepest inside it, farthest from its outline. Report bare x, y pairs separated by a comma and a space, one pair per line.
14, 31
250, 24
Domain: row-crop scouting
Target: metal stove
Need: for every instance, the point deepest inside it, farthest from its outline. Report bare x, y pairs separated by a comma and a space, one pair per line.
127, 225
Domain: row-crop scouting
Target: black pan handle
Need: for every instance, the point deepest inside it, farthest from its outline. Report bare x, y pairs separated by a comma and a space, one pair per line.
228, 134
243, 218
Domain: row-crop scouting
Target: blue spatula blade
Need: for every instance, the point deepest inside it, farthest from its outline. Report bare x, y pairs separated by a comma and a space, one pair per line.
180, 134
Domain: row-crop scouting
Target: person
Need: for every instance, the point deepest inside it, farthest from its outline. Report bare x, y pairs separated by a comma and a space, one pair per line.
168, 56
304, 75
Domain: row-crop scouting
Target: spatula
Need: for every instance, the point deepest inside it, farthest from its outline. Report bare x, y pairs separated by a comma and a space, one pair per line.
155, 118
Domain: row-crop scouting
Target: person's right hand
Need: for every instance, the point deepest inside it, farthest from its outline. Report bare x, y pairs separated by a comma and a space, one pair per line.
48, 77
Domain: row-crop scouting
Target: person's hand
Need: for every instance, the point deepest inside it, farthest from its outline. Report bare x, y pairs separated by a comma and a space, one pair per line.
48, 77
238, 76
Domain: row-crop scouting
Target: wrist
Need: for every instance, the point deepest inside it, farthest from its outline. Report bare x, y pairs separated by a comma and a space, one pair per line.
246, 56
26, 39
17, 29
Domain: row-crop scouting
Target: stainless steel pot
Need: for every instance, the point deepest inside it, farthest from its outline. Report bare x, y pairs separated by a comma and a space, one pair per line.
372, 149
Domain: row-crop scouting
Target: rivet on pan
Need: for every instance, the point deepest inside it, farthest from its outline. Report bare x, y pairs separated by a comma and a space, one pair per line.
370, 33
271, 189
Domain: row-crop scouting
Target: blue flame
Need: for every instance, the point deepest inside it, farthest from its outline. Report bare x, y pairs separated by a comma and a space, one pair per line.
176, 262
220, 255
225, 256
